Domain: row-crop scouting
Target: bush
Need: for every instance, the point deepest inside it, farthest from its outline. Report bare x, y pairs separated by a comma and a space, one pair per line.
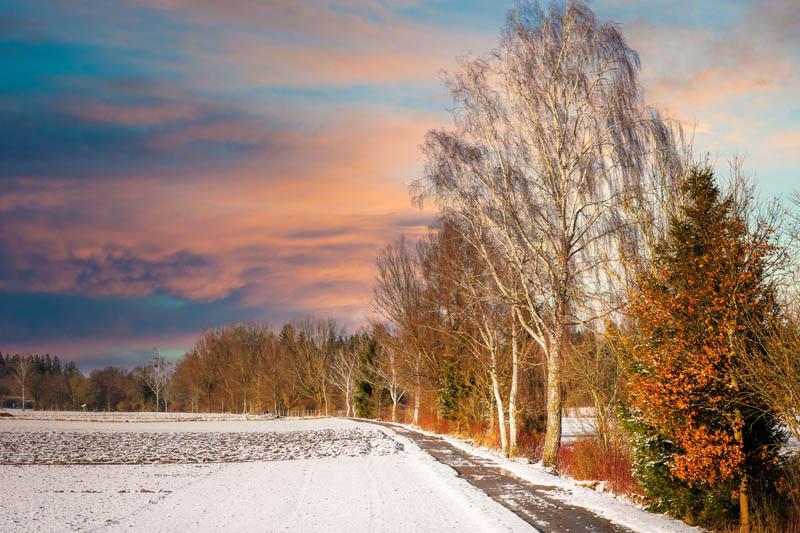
530, 444
593, 459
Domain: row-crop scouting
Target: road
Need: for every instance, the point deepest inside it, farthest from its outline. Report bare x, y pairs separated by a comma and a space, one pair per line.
533, 503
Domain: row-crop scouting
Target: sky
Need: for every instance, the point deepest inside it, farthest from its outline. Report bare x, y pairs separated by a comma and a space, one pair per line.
167, 166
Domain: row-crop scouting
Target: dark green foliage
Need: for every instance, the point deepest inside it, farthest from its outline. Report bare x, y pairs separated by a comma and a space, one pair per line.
456, 385
366, 396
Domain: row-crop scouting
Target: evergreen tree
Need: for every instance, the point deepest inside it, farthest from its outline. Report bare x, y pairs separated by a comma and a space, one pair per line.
699, 437
366, 394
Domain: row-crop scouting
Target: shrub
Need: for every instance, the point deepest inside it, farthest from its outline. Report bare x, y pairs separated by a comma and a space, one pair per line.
592, 459
530, 444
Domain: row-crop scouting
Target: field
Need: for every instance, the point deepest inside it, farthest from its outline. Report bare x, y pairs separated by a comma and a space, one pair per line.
185, 472
229, 474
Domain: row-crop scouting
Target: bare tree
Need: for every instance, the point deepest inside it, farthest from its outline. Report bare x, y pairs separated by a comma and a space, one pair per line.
345, 365
399, 297
546, 161
23, 370
157, 375
774, 373
485, 322
313, 350
595, 373
793, 247
388, 366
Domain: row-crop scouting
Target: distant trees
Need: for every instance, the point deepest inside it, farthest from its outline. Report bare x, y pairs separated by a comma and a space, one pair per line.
23, 370
233, 368
157, 375
309, 364
40, 380
312, 345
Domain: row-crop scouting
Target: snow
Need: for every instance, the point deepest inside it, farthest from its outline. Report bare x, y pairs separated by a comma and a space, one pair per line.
617, 509
281, 425
128, 447
298, 475
575, 427
183, 472
126, 416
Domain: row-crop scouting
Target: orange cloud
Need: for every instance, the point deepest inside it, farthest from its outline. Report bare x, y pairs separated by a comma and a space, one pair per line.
301, 227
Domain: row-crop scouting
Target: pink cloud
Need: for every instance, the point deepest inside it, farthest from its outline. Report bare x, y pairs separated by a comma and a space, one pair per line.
273, 228
137, 115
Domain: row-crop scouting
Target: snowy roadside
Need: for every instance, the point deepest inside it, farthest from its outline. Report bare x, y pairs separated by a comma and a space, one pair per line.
615, 508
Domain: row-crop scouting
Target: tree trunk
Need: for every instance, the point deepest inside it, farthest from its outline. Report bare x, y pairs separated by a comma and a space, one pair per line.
552, 439
744, 488
417, 394
512, 393
501, 418
738, 434
394, 410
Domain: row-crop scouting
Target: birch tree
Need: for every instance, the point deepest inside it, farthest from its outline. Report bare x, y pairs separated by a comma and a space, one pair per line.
484, 321
399, 297
546, 160
388, 366
23, 370
157, 375
344, 368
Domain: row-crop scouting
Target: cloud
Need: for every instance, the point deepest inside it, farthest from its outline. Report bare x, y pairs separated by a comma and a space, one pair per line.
314, 43
135, 115
35, 318
730, 76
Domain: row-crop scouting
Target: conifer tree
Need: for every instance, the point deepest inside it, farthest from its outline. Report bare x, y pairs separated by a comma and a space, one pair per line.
700, 437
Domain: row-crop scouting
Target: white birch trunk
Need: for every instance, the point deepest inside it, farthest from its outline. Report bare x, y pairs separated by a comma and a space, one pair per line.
512, 393
552, 439
501, 418
417, 394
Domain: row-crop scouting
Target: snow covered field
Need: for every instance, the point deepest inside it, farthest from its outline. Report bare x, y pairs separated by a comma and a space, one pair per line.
128, 447
125, 416
280, 475
86, 472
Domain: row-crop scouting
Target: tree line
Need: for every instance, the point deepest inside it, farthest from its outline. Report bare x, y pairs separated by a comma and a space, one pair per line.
42, 382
